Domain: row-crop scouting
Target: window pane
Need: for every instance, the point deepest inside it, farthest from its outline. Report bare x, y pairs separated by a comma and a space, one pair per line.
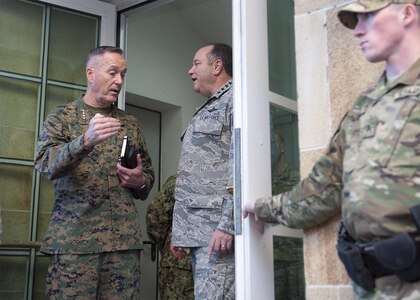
41, 266
46, 202
281, 48
16, 187
69, 45
20, 37
18, 102
12, 277
287, 251
59, 95
289, 276
284, 150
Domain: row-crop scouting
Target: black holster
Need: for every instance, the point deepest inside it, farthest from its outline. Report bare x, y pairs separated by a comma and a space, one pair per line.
351, 256
398, 255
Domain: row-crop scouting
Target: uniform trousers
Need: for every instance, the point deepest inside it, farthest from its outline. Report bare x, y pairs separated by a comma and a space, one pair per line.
214, 277
108, 275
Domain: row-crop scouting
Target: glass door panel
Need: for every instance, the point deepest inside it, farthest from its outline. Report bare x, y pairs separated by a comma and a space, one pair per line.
269, 265
281, 52
289, 280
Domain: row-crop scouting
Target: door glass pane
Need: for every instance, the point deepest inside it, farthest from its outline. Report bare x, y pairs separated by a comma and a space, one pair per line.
284, 149
12, 277
289, 275
281, 48
20, 37
69, 45
287, 251
16, 189
18, 102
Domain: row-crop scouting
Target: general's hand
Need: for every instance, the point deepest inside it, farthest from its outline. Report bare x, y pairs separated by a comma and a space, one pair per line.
221, 242
248, 210
177, 251
132, 178
100, 128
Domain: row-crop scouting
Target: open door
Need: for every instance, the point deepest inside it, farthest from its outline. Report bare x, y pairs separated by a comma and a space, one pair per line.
268, 266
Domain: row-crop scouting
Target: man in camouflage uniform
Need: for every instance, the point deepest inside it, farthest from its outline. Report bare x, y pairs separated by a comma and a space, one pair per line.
94, 237
203, 213
371, 170
175, 275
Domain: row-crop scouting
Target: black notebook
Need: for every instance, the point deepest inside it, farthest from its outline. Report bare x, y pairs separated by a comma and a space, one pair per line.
128, 156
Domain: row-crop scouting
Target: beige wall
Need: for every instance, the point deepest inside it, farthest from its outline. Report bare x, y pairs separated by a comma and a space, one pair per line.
331, 73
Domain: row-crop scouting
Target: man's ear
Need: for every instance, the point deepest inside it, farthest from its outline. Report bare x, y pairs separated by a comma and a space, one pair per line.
89, 74
217, 66
409, 13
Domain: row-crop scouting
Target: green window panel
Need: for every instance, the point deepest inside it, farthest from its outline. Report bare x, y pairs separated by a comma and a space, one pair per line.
41, 267
12, 277
18, 102
15, 201
57, 95
46, 49
46, 202
70, 44
21, 27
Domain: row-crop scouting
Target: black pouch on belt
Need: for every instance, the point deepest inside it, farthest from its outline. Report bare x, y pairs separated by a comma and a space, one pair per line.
401, 255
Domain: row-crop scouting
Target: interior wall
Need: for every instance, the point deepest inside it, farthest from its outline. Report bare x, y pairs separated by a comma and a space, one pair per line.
161, 43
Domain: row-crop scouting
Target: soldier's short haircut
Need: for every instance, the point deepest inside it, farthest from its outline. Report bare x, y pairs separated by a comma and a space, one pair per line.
101, 50
224, 53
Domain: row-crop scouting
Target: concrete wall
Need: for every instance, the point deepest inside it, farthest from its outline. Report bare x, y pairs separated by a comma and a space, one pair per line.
331, 73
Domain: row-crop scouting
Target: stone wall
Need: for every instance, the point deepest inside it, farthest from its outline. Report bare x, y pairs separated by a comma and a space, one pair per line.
331, 73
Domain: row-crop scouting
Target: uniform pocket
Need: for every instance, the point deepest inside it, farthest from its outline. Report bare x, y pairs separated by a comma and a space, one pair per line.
210, 202
210, 123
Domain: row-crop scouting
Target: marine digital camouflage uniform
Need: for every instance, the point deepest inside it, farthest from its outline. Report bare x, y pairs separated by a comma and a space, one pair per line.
92, 212
371, 172
175, 275
202, 203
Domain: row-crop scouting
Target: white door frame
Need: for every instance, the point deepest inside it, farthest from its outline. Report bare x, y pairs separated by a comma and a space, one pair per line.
252, 98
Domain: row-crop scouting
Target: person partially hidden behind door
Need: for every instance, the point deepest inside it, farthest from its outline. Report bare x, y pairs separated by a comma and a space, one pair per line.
371, 169
175, 275
93, 239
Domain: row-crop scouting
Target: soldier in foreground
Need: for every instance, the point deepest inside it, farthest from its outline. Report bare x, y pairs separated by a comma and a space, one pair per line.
94, 238
175, 275
203, 213
371, 170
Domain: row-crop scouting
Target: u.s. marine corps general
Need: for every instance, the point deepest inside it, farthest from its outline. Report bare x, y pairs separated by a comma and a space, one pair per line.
371, 169
94, 239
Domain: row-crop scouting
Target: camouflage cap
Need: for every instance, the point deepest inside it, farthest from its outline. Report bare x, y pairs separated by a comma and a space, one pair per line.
347, 13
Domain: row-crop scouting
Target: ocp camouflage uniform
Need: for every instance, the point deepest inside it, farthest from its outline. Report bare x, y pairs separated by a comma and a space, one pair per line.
371, 173
202, 203
175, 275
92, 212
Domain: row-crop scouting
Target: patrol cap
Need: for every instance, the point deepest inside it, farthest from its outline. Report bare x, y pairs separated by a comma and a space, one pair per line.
347, 13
